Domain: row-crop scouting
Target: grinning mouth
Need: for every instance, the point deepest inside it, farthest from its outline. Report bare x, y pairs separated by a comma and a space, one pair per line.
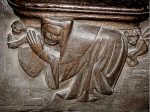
16, 32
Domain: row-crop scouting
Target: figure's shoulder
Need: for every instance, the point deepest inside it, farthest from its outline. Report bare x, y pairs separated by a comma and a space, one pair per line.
111, 33
110, 30
80, 26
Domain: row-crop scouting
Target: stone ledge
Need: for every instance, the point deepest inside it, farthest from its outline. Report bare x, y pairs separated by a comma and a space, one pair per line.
82, 10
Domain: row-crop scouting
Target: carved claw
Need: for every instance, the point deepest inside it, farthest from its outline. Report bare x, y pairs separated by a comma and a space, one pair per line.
132, 62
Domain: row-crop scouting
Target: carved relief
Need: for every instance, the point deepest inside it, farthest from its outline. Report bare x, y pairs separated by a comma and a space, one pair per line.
18, 35
140, 46
83, 62
29, 61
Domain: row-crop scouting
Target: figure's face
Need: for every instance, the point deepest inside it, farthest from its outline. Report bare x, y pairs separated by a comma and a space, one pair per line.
16, 29
51, 39
51, 35
133, 39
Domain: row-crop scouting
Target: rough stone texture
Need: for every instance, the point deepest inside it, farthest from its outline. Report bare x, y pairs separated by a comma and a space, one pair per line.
19, 92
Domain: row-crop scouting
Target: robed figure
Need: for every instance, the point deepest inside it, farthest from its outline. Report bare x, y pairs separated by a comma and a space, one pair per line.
84, 61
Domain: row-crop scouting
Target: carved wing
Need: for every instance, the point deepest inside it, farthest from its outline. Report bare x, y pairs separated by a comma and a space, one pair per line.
30, 62
146, 35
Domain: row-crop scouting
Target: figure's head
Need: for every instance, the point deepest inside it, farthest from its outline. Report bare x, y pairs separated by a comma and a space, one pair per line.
52, 34
54, 29
132, 39
17, 27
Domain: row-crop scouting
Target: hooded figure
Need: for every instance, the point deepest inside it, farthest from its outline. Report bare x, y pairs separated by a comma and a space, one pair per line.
85, 61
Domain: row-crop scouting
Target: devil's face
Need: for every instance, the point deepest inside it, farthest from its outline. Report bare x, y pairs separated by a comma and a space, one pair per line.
17, 27
132, 39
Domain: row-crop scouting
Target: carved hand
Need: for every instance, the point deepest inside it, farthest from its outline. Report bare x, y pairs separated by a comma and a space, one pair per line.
35, 41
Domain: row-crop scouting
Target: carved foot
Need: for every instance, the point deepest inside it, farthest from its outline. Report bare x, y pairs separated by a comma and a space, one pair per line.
132, 62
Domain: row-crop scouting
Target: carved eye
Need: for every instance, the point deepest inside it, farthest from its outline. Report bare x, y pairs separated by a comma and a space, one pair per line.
53, 29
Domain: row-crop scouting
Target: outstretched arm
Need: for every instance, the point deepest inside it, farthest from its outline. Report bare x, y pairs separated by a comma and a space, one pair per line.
36, 43
15, 43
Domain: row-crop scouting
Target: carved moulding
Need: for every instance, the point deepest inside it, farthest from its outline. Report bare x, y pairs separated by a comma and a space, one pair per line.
123, 10
82, 61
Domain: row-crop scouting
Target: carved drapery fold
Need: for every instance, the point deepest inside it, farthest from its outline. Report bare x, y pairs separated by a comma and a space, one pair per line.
82, 61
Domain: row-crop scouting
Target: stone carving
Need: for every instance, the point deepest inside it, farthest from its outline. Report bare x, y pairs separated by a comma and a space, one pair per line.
136, 40
18, 35
29, 61
83, 61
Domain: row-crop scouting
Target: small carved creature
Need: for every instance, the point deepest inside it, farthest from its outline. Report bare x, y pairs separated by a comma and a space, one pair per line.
18, 35
29, 61
140, 44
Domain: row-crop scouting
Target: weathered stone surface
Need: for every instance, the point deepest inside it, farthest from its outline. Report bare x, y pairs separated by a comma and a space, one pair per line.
18, 92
